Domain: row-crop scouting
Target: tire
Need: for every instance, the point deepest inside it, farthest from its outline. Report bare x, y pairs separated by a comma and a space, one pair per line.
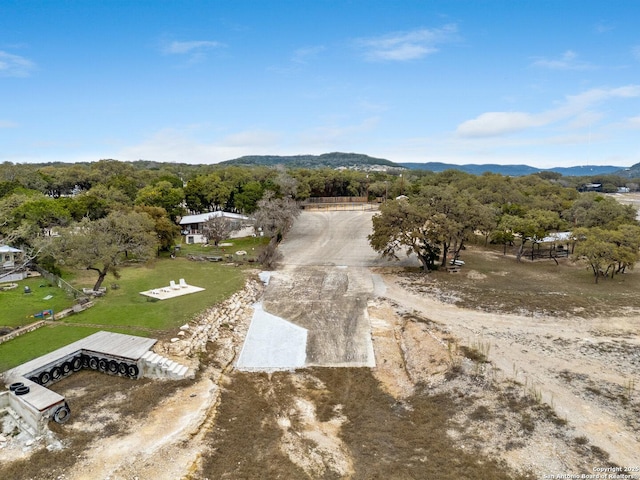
76, 363
15, 385
66, 368
103, 364
56, 373
35, 379
93, 363
133, 371
113, 366
44, 377
21, 390
62, 413
122, 368
85, 360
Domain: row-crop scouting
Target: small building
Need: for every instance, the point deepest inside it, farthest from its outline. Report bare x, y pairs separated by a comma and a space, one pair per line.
10, 258
192, 225
591, 187
555, 245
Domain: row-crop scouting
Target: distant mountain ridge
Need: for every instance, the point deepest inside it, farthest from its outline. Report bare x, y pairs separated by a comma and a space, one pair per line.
365, 162
515, 170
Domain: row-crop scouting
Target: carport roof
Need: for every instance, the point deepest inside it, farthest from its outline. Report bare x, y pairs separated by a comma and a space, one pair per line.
8, 249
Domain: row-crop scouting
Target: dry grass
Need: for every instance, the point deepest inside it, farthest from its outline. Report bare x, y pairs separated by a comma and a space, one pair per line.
385, 439
108, 404
245, 441
491, 281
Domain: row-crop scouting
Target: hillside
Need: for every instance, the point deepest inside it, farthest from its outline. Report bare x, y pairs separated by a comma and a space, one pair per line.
632, 172
330, 160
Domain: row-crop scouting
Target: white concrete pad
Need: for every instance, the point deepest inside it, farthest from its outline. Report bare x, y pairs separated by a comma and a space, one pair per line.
272, 343
265, 276
165, 293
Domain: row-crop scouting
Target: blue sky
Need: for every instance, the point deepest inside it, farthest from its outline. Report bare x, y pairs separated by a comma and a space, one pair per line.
544, 83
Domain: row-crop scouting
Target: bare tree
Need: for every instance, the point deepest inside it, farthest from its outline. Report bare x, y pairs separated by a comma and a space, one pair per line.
270, 255
219, 228
275, 216
288, 185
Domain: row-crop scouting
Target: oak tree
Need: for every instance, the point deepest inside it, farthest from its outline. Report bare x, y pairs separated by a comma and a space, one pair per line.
104, 245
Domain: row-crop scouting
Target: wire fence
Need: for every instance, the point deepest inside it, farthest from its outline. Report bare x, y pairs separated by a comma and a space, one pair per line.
59, 282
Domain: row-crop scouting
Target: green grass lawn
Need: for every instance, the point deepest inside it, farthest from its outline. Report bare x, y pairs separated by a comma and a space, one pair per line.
17, 308
125, 306
122, 309
251, 245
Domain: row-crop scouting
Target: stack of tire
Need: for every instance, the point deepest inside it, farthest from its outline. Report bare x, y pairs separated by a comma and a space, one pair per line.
19, 388
111, 366
81, 361
56, 373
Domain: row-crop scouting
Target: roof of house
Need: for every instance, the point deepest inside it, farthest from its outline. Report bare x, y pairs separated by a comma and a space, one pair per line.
203, 217
8, 249
557, 237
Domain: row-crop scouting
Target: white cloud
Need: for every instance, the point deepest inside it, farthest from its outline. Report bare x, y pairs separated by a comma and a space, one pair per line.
403, 46
196, 144
15, 65
633, 122
190, 47
180, 145
251, 138
330, 136
574, 108
195, 51
585, 119
581, 101
603, 27
302, 55
568, 61
498, 123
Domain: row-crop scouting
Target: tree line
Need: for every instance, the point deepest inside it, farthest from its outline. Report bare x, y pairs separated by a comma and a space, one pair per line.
437, 213
441, 212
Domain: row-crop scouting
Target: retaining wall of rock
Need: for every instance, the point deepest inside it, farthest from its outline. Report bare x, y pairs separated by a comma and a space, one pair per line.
21, 331
193, 337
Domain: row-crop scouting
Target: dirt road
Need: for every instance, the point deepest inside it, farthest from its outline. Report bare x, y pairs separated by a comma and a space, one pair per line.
324, 284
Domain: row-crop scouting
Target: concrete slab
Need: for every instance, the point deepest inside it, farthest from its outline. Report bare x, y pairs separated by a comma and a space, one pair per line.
165, 293
272, 343
39, 397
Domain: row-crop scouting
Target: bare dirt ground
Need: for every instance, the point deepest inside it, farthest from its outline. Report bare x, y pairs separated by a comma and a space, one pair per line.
456, 393
584, 369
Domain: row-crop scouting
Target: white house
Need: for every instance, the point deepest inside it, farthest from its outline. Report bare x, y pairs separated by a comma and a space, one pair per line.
9, 258
191, 225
